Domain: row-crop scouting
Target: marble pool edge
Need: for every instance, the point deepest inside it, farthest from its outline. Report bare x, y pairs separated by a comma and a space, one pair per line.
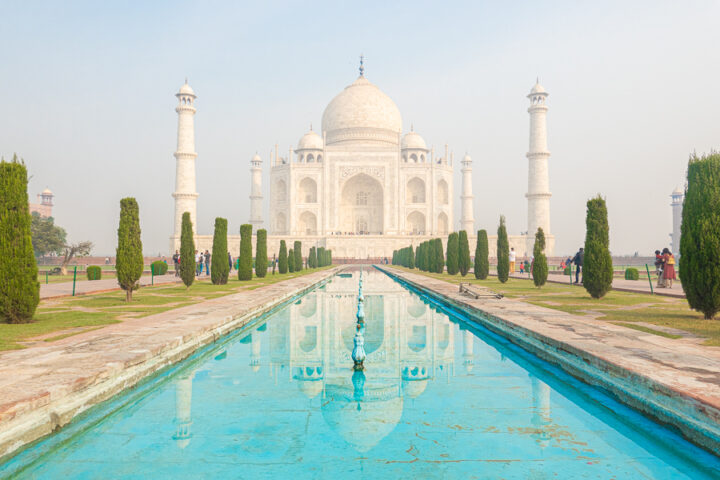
31, 426
693, 418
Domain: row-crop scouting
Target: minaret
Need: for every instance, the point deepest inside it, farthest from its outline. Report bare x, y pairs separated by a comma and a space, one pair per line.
677, 205
256, 192
185, 191
538, 194
467, 221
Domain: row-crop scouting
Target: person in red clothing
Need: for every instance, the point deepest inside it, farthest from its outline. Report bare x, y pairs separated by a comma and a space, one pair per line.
669, 270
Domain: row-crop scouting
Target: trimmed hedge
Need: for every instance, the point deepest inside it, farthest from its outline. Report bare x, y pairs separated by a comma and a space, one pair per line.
452, 254
291, 261
245, 267
158, 267
129, 263
482, 263
503, 252
540, 266
297, 251
283, 258
632, 274
261, 258
464, 261
93, 272
597, 263
220, 270
187, 251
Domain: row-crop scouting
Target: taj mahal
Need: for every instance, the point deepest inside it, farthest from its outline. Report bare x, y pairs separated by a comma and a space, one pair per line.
361, 187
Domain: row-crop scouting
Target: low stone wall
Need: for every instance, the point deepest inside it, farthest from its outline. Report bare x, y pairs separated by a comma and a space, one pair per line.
673, 382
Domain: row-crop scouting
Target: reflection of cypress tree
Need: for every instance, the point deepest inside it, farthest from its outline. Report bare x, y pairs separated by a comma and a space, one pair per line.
464, 253
246, 259
452, 254
482, 263
699, 267
540, 266
19, 287
220, 267
283, 258
597, 263
503, 252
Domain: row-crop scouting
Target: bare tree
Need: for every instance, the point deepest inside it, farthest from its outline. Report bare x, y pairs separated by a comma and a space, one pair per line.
70, 250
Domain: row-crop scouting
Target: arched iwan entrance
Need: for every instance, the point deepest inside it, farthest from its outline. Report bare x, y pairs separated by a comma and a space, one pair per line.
361, 205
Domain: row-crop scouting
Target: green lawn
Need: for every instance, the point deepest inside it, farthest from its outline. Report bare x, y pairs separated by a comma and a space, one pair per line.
63, 317
623, 308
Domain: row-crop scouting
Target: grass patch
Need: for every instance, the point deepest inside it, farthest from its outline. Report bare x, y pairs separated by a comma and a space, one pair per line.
625, 307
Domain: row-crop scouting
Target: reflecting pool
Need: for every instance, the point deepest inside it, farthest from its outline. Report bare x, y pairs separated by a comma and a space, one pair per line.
439, 398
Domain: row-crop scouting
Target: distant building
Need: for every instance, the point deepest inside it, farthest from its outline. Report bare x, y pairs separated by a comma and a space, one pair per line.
44, 205
677, 205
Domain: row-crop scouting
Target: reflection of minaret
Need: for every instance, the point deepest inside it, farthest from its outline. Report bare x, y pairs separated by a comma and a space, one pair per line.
468, 357
255, 351
541, 411
183, 402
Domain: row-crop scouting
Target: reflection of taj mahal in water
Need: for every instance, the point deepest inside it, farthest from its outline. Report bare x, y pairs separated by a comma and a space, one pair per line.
408, 344
360, 187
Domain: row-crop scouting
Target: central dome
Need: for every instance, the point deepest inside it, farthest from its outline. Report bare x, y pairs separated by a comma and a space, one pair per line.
362, 113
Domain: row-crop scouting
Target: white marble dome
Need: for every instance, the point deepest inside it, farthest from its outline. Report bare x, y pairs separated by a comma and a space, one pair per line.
362, 112
310, 141
413, 140
537, 89
186, 90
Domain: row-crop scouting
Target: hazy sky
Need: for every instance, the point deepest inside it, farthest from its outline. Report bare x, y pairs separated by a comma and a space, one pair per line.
87, 99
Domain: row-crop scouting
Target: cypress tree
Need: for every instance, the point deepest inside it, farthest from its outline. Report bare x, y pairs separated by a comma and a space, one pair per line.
597, 263
540, 266
283, 258
439, 257
19, 287
129, 261
482, 263
246, 258
700, 239
411, 257
452, 254
261, 258
503, 252
312, 258
220, 270
291, 261
187, 251
297, 250
464, 253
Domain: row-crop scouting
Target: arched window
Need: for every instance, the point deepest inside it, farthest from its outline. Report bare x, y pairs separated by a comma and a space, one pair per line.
405, 158
422, 158
280, 191
415, 192
413, 158
361, 198
319, 158
442, 192
310, 158
307, 191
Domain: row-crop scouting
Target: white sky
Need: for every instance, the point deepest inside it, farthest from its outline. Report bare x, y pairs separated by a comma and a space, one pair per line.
88, 100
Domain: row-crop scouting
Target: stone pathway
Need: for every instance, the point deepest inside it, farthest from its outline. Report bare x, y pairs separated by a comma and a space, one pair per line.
45, 386
674, 380
64, 289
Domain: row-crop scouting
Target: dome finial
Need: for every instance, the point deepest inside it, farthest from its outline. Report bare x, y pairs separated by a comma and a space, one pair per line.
185, 80
362, 66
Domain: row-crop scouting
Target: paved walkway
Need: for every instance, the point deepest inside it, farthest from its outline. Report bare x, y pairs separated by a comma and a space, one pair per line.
675, 380
44, 387
64, 289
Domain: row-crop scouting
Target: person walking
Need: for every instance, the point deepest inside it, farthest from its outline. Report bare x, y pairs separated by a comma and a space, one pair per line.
176, 262
578, 261
669, 267
659, 264
207, 262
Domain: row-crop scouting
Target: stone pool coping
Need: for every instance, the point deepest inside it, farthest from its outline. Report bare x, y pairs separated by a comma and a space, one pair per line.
674, 381
43, 388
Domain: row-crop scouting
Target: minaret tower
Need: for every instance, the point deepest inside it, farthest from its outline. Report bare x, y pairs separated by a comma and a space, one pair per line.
467, 220
185, 192
256, 192
538, 194
677, 205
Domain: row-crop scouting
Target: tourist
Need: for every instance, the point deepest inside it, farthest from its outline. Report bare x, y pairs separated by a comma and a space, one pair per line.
198, 263
526, 266
522, 268
668, 267
207, 262
176, 262
578, 261
659, 263
512, 260
230, 261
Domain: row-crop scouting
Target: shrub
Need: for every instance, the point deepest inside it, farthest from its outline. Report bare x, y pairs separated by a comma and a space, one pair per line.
261, 258
220, 269
93, 272
291, 261
482, 263
540, 266
283, 258
597, 263
297, 250
129, 262
158, 267
503, 252
632, 274
19, 287
700, 239
246, 259
187, 251
452, 254
464, 252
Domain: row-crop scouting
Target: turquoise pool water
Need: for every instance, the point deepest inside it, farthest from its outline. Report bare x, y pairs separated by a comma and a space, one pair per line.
440, 398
